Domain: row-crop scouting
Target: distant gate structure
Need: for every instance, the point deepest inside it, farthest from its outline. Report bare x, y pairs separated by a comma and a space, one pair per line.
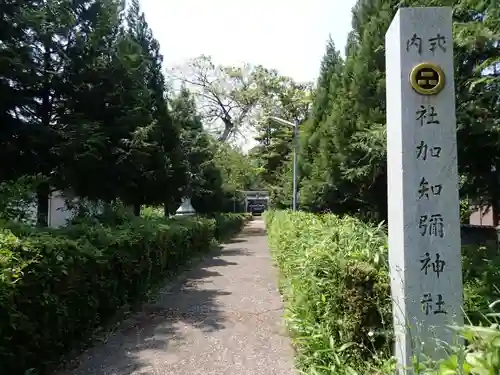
256, 201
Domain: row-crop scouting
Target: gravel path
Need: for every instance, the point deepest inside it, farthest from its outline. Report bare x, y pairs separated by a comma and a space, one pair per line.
224, 317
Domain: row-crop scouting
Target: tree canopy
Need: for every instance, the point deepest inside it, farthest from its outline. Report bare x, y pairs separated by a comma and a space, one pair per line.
88, 105
343, 148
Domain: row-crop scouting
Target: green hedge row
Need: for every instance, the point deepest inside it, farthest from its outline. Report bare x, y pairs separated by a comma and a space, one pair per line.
58, 286
336, 286
226, 225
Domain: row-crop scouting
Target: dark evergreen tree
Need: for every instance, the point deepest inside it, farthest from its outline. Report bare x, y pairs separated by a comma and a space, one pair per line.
345, 169
203, 179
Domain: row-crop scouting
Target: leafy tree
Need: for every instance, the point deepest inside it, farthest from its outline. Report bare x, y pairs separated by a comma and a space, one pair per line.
239, 171
284, 98
16, 135
344, 155
125, 143
232, 96
225, 96
105, 122
477, 57
163, 177
243, 98
53, 32
317, 149
203, 181
86, 104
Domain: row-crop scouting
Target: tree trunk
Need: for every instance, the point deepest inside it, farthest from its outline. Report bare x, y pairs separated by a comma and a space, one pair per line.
43, 190
494, 208
494, 196
137, 209
228, 128
42, 196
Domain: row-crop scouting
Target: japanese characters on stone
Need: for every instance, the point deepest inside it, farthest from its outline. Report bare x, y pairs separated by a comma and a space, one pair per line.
433, 304
427, 115
425, 151
432, 264
433, 44
430, 224
425, 189
422, 179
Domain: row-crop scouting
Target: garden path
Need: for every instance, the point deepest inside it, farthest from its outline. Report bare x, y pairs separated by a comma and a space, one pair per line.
223, 317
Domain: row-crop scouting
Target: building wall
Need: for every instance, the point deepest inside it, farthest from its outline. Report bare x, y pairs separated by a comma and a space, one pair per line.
58, 213
478, 235
482, 216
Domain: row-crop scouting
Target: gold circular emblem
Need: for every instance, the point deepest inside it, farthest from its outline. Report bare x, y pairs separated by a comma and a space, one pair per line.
427, 78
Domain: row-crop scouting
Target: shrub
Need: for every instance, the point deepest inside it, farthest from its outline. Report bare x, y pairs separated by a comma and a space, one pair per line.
17, 199
336, 285
115, 213
58, 286
227, 224
150, 212
481, 354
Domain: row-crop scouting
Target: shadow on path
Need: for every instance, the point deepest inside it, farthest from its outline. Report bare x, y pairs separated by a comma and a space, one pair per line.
182, 303
236, 240
253, 231
221, 317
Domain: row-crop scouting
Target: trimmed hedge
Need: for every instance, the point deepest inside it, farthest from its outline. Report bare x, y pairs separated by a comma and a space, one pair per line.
58, 286
336, 286
226, 225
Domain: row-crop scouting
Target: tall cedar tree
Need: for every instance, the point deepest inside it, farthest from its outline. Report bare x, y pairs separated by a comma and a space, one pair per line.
203, 177
349, 166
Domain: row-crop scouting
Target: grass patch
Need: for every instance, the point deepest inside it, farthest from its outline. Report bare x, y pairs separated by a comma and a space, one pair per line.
335, 280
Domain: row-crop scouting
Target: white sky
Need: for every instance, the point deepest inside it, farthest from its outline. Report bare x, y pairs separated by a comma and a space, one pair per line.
289, 36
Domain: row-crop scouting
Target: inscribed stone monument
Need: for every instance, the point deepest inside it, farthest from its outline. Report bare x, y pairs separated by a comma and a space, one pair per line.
424, 224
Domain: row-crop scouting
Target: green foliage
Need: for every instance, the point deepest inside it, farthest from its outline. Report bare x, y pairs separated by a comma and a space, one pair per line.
213, 172
343, 146
238, 171
284, 98
481, 273
226, 225
201, 175
465, 211
87, 108
150, 212
58, 286
481, 355
336, 286
17, 199
235, 97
